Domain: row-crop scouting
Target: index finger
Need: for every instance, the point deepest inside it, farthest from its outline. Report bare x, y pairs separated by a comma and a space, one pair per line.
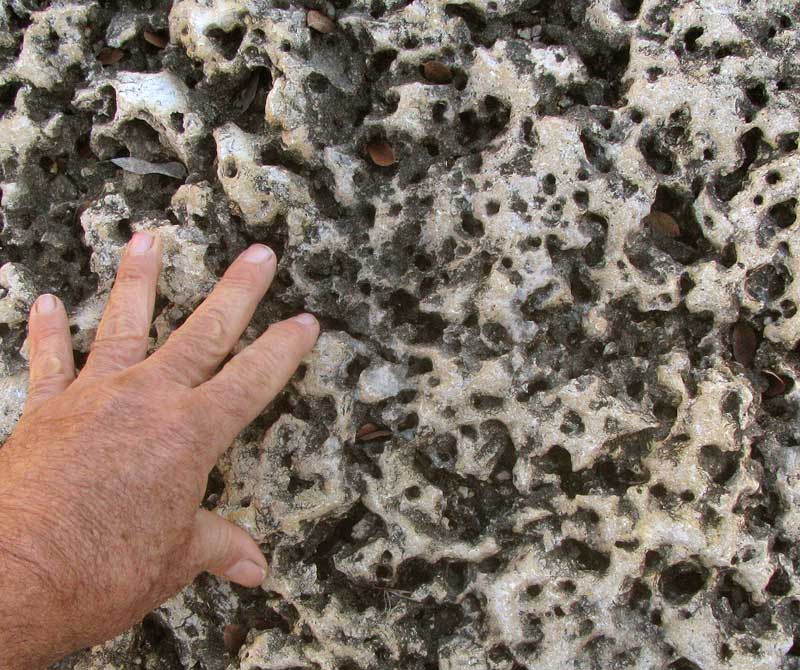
121, 339
252, 378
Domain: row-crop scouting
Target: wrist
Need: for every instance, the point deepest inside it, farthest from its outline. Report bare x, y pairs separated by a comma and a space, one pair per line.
33, 602
22, 600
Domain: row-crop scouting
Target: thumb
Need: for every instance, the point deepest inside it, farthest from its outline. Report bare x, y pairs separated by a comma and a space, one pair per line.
224, 549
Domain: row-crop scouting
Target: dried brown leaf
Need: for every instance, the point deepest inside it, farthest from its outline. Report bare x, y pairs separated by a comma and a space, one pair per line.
745, 343
233, 637
376, 435
109, 56
437, 72
81, 209
663, 223
248, 93
369, 432
365, 430
381, 153
319, 22
156, 39
776, 384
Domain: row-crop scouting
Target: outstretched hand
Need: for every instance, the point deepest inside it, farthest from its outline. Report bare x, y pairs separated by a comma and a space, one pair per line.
102, 479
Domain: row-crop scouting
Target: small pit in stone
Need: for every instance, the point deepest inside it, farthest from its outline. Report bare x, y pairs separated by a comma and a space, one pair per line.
227, 42
681, 581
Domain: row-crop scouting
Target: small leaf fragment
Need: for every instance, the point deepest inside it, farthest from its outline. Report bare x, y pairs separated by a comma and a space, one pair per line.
80, 209
365, 430
377, 435
437, 72
319, 22
663, 223
745, 343
776, 384
156, 39
381, 153
248, 93
369, 432
109, 56
233, 637
140, 166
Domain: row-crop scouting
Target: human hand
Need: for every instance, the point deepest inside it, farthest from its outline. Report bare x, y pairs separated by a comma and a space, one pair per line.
102, 479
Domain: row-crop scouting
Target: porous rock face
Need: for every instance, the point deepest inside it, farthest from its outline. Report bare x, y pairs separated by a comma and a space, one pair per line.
568, 309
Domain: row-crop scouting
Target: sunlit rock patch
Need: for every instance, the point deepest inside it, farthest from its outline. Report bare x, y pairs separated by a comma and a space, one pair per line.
552, 418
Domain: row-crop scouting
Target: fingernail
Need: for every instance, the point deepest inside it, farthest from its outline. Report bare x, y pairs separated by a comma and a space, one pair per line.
141, 242
45, 303
305, 319
246, 572
258, 253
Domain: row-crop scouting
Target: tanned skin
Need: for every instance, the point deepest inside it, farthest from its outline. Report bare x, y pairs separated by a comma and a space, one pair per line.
102, 479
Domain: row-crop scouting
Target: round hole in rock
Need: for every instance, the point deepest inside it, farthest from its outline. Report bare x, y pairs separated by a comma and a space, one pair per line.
681, 581
658, 491
533, 590
229, 168
176, 121
227, 42
691, 37
317, 82
412, 492
567, 586
654, 73
581, 199
431, 146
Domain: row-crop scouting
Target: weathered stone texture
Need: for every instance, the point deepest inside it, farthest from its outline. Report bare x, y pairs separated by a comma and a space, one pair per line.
590, 204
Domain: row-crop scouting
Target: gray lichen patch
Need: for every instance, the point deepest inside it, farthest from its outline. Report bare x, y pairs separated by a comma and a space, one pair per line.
551, 421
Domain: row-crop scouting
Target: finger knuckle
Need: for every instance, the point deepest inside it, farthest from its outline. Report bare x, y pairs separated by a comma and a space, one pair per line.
129, 273
118, 347
243, 277
47, 367
149, 376
211, 335
41, 386
47, 333
265, 362
121, 324
289, 333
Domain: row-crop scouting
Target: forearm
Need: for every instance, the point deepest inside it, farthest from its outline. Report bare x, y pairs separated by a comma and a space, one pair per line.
29, 621
37, 580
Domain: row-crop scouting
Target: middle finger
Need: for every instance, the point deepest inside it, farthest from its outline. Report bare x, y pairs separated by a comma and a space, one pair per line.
194, 351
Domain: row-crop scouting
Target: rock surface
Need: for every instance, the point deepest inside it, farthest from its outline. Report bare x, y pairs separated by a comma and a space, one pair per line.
552, 419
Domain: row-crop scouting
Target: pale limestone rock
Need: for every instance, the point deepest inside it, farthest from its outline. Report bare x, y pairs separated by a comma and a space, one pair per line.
578, 472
